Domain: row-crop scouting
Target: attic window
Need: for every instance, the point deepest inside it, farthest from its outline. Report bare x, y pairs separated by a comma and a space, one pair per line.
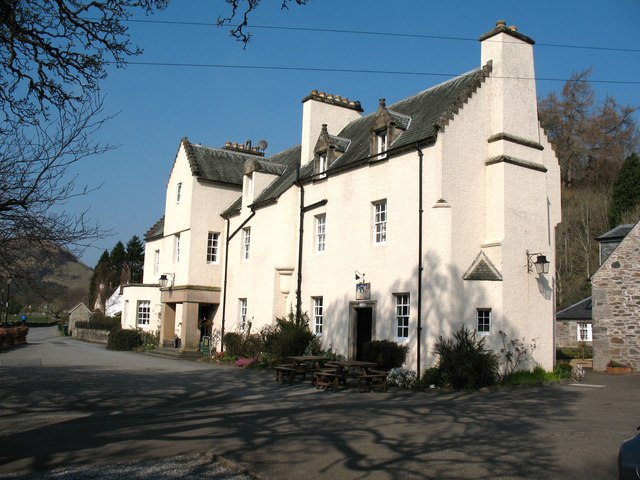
381, 143
322, 164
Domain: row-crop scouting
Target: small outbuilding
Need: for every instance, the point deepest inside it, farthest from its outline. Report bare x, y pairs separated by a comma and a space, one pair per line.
79, 313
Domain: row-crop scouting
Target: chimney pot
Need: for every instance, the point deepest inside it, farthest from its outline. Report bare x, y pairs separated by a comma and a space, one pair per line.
501, 23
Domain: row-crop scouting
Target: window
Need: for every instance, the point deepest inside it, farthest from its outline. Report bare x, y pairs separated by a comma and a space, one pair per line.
246, 242
156, 262
248, 186
402, 315
144, 312
321, 229
177, 248
317, 315
584, 332
212, 247
380, 221
382, 146
242, 315
322, 164
483, 316
178, 192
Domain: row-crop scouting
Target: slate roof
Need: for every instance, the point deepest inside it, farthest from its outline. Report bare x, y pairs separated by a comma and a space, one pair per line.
287, 161
429, 112
156, 231
482, 269
422, 115
578, 311
217, 164
616, 234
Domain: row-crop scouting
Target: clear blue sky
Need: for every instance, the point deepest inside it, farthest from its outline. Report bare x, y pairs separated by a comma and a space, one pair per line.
158, 105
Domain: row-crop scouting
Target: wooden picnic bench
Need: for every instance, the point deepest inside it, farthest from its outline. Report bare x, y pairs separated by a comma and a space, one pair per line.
289, 372
327, 379
372, 380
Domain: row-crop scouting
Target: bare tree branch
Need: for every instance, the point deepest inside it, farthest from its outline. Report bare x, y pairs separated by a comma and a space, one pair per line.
53, 53
243, 9
35, 184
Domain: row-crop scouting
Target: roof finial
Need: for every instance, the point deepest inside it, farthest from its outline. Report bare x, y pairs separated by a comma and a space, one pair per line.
382, 102
501, 23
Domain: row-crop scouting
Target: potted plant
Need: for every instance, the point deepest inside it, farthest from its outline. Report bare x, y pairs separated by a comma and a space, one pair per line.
617, 368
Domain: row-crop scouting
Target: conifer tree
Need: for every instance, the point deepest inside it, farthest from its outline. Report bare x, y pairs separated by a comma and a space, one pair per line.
626, 190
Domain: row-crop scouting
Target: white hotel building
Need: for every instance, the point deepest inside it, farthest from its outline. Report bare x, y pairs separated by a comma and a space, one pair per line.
444, 200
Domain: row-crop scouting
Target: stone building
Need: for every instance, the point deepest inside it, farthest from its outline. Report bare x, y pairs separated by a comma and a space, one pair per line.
616, 305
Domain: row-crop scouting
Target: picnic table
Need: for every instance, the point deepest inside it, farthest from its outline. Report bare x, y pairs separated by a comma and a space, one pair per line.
300, 365
337, 372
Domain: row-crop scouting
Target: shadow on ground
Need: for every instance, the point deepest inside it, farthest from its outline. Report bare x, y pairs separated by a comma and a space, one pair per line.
55, 417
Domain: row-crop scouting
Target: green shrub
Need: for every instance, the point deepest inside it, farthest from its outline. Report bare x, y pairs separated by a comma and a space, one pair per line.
538, 375
288, 337
98, 321
562, 370
385, 354
431, 376
464, 362
150, 340
124, 340
232, 343
251, 346
576, 352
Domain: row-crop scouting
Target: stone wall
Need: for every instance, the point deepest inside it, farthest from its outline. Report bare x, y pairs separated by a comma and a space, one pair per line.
93, 336
616, 306
567, 333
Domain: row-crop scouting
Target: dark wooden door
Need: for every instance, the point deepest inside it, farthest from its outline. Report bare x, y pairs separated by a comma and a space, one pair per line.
364, 324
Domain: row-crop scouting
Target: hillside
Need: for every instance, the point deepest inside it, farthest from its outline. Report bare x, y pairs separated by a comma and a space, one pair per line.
57, 282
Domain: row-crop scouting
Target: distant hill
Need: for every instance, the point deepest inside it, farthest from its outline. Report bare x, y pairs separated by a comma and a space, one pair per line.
57, 282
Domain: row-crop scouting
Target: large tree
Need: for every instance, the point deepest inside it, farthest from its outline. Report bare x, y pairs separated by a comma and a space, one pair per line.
135, 258
591, 138
52, 56
35, 181
53, 53
625, 196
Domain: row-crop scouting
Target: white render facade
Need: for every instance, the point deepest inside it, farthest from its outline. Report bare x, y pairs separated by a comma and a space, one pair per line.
442, 200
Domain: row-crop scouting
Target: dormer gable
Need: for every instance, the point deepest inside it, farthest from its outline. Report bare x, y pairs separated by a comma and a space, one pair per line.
482, 269
327, 150
387, 126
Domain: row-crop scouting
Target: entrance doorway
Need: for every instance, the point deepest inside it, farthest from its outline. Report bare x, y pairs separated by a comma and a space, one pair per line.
364, 327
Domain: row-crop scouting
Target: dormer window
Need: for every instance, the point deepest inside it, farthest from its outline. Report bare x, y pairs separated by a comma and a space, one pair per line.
248, 186
327, 150
382, 143
322, 164
387, 126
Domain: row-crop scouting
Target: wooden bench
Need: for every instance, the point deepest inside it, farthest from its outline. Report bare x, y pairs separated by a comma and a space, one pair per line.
372, 380
289, 372
327, 379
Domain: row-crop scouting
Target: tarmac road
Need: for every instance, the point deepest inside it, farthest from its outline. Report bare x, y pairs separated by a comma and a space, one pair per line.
76, 410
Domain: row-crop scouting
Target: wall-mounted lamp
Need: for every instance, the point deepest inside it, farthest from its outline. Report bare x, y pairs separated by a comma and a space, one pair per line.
360, 276
541, 263
164, 279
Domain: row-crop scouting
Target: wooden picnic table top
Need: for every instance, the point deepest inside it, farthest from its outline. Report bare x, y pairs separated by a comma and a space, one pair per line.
355, 363
308, 358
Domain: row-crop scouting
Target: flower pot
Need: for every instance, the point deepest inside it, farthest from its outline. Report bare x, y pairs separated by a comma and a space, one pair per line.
619, 370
